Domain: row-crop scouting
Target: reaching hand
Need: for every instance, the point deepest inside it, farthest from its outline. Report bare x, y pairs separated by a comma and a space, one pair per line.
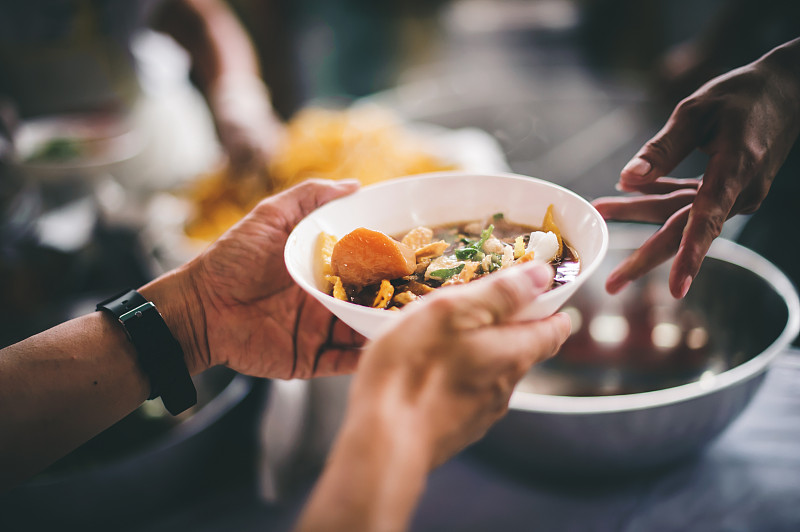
247, 126
244, 311
746, 121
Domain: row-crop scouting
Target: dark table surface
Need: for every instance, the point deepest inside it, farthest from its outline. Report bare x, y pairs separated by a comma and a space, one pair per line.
747, 480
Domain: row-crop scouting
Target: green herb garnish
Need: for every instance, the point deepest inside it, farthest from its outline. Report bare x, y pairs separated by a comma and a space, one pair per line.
474, 251
494, 264
446, 273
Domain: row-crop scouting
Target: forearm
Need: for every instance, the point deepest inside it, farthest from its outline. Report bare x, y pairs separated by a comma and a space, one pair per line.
374, 476
60, 388
215, 40
63, 386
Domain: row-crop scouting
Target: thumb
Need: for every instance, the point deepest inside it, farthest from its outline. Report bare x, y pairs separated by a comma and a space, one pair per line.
299, 201
660, 155
499, 296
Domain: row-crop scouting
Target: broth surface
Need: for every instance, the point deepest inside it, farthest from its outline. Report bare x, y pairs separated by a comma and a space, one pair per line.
458, 236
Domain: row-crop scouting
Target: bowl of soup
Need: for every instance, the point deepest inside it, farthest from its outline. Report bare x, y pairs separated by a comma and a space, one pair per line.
478, 223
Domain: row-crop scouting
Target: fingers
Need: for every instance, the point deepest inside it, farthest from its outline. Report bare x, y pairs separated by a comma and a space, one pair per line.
658, 248
662, 185
314, 193
712, 206
342, 335
651, 208
324, 345
337, 361
294, 204
523, 343
670, 146
496, 298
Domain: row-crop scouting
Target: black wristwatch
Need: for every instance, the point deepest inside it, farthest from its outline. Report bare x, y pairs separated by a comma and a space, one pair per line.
160, 354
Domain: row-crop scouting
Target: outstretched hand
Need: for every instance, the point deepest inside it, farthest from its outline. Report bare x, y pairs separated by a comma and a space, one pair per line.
245, 312
746, 121
247, 126
425, 389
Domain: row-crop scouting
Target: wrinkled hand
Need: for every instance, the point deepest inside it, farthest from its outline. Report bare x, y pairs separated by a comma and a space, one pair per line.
248, 313
247, 126
746, 121
453, 361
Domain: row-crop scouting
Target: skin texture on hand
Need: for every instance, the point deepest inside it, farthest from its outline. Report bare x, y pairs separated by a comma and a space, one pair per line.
466, 356
234, 304
239, 307
426, 389
746, 121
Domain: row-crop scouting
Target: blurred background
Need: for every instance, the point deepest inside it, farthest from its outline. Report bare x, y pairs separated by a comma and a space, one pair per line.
134, 132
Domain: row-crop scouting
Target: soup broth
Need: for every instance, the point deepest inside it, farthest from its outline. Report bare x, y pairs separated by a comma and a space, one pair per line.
461, 252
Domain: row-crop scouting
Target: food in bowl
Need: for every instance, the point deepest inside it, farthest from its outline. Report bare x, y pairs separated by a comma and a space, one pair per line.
372, 269
395, 206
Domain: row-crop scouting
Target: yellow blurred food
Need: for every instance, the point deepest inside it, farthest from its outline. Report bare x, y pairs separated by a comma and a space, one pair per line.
368, 144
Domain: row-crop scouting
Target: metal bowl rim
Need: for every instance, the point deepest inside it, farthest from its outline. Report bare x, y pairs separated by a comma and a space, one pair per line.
721, 249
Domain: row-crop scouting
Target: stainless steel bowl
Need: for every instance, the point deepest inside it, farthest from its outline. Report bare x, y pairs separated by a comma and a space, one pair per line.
644, 379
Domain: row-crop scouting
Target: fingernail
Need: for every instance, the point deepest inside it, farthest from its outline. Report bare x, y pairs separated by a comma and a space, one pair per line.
685, 285
615, 283
616, 286
637, 167
625, 187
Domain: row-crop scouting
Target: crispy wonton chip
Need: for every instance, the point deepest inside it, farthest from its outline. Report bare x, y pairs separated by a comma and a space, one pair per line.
430, 251
337, 289
385, 293
404, 298
418, 237
325, 243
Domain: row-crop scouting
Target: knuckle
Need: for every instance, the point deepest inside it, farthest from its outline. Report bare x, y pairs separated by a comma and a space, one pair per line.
689, 109
659, 148
752, 160
712, 224
507, 293
443, 307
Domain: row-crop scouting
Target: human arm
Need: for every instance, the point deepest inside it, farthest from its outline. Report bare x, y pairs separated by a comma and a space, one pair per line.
225, 69
233, 305
419, 398
746, 121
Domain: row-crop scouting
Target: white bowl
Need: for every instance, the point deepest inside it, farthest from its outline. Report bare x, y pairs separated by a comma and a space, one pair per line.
399, 205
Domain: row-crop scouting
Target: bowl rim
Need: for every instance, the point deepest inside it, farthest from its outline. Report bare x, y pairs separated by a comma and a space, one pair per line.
550, 294
721, 249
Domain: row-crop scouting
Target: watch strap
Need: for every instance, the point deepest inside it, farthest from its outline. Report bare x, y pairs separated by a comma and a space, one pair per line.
159, 353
